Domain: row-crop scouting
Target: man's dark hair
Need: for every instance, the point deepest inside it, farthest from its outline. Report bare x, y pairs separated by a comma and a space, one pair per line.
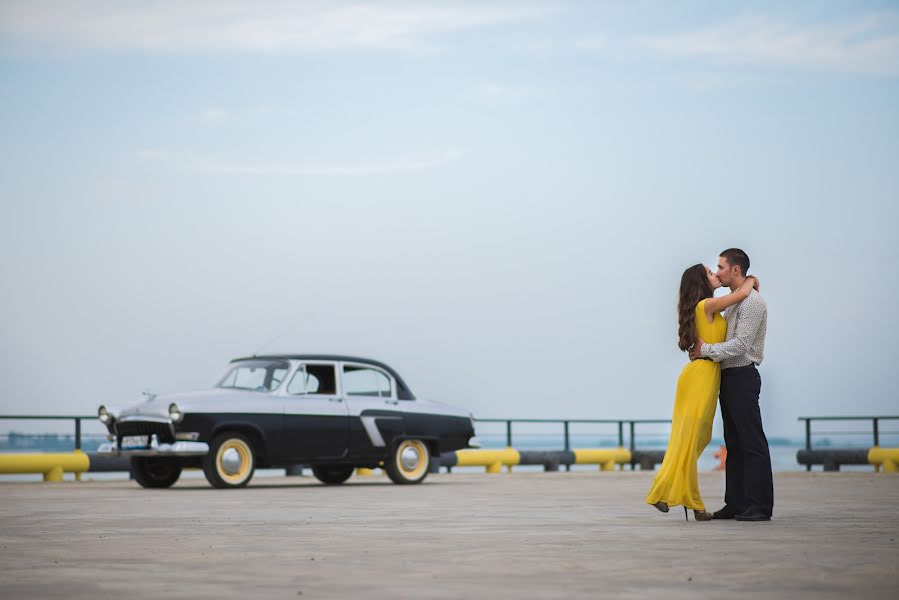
736, 258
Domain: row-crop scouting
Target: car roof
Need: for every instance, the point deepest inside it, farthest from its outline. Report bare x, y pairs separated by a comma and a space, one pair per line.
402, 390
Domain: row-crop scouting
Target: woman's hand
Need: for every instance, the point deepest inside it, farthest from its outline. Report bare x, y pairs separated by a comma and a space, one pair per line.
755, 282
748, 284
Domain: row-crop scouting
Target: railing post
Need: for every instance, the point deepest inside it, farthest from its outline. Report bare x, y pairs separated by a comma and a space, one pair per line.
509, 433
621, 434
567, 443
633, 446
808, 439
876, 432
77, 434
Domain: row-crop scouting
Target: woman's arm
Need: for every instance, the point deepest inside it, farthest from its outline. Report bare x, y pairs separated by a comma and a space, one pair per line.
713, 305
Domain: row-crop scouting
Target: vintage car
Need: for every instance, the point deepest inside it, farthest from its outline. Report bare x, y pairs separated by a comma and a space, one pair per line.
332, 413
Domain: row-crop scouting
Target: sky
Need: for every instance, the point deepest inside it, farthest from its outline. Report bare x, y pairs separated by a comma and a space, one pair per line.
496, 198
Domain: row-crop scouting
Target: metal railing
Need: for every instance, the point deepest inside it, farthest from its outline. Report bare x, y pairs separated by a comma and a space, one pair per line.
76, 418
874, 431
623, 425
566, 429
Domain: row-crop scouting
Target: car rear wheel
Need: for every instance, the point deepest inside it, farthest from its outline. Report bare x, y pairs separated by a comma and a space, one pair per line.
231, 461
409, 462
333, 475
152, 472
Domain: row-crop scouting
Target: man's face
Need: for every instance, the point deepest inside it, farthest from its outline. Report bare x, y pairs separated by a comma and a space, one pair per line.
726, 273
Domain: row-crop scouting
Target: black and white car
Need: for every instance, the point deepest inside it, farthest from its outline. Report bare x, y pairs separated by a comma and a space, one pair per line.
333, 413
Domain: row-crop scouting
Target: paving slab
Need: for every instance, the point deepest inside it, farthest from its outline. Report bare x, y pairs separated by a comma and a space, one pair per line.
460, 535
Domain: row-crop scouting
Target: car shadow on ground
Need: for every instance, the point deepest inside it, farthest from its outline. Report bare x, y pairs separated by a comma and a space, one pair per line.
313, 485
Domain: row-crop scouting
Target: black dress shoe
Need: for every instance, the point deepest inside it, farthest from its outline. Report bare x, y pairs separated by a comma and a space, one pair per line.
725, 513
753, 516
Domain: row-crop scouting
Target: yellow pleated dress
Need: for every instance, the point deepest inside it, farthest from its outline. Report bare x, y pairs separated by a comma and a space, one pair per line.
691, 424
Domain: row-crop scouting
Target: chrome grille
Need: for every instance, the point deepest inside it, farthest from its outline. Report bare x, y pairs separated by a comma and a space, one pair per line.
163, 430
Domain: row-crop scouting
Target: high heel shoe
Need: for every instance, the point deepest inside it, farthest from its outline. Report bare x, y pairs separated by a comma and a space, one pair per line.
699, 515
662, 506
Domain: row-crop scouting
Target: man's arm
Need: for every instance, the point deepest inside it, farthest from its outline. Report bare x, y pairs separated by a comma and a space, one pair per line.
752, 314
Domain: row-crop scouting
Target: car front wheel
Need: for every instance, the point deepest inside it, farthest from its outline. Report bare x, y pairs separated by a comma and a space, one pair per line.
231, 461
152, 472
332, 475
409, 462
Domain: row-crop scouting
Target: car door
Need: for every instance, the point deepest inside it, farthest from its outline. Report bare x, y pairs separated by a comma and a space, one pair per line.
375, 413
316, 422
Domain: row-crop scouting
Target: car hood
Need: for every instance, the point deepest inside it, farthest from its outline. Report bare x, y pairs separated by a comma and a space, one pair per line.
158, 405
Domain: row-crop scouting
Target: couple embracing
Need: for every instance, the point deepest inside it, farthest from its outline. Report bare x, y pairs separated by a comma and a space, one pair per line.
724, 353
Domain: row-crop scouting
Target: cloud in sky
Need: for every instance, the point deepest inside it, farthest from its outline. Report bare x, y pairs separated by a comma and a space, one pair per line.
230, 25
211, 166
866, 45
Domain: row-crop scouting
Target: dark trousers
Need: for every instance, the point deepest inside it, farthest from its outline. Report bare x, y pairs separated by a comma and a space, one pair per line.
750, 486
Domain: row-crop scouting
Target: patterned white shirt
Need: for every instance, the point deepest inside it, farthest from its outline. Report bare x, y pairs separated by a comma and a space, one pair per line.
747, 323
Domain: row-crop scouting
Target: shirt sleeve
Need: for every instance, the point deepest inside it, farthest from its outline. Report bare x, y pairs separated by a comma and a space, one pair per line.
752, 314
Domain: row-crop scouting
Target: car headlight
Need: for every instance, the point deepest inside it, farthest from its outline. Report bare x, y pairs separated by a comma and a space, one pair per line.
104, 415
175, 413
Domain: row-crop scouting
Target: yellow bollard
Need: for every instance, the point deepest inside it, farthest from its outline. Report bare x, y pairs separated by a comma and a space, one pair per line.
492, 460
52, 464
885, 458
363, 472
606, 458
888, 458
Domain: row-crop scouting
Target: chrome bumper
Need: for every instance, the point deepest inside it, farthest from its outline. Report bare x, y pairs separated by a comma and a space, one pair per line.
474, 442
157, 449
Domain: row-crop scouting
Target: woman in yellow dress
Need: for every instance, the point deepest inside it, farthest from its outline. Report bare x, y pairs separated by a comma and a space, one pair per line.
697, 390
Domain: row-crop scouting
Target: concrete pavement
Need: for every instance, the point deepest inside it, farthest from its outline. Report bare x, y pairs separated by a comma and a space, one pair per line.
519, 535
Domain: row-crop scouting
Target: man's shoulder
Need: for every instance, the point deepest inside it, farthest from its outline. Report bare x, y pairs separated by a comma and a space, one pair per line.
755, 300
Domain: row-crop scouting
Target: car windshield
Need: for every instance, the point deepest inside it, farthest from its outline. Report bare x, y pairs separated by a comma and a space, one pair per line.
259, 375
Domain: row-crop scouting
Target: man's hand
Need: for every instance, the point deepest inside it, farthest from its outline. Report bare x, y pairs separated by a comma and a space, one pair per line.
696, 350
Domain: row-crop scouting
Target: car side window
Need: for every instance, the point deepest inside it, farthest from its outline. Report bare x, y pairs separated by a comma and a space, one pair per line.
313, 380
363, 381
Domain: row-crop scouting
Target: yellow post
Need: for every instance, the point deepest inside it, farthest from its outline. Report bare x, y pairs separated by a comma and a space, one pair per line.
51, 465
78, 473
363, 472
606, 458
888, 458
54, 474
492, 460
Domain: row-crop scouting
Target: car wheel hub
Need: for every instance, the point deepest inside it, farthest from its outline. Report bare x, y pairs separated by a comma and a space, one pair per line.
410, 458
231, 461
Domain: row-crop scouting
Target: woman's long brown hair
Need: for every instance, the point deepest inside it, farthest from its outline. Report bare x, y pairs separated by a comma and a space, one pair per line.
694, 286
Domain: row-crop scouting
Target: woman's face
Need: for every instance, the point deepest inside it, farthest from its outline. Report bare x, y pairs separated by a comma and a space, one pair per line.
713, 279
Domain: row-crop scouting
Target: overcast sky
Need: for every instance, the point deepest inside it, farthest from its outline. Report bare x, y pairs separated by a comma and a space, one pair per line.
497, 199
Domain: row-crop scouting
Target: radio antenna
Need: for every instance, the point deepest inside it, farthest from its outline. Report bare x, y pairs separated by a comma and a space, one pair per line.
278, 337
